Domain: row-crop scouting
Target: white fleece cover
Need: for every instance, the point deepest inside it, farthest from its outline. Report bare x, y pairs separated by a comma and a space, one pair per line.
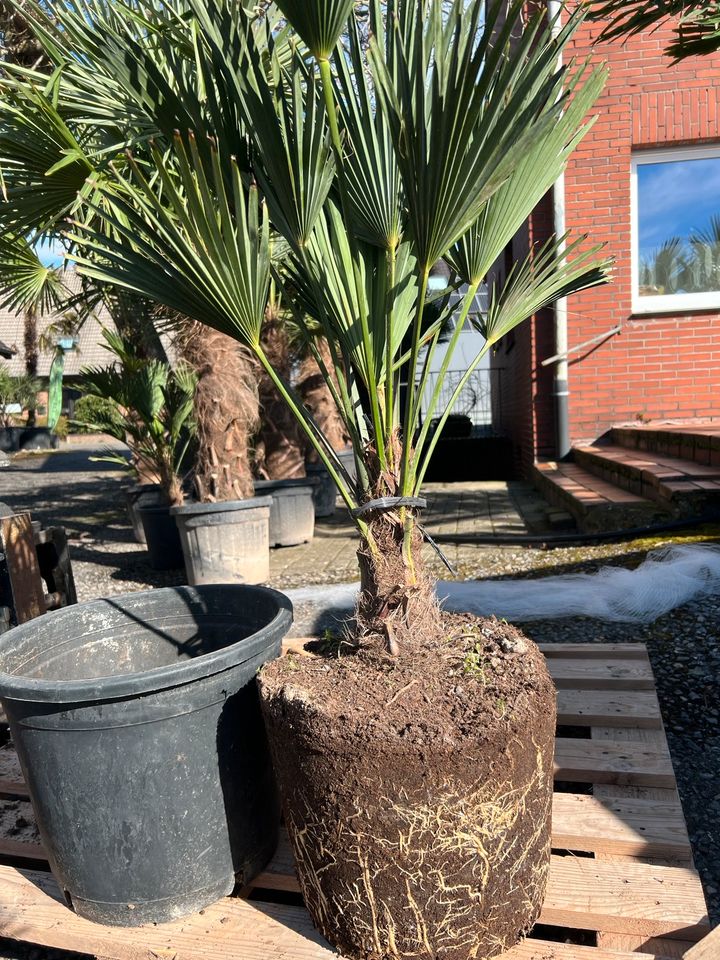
667, 578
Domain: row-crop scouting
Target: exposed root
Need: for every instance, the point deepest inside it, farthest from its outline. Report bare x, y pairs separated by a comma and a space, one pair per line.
448, 878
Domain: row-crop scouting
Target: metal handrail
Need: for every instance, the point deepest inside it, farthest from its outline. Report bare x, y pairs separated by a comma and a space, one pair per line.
581, 346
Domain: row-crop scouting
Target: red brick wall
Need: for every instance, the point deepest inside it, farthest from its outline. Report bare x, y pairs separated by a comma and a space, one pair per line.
663, 366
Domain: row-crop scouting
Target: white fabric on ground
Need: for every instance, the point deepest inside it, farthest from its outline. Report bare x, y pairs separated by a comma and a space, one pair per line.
667, 578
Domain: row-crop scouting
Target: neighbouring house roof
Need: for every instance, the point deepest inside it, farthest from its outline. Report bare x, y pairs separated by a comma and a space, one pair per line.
88, 352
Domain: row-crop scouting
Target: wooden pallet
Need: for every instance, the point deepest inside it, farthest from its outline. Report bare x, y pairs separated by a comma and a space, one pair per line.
621, 874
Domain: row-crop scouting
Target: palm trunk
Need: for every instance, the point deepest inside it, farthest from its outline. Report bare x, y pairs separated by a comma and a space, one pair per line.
319, 400
397, 608
31, 349
280, 453
226, 412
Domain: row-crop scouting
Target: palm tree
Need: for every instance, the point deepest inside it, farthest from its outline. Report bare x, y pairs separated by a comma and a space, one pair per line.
150, 410
67, 155
369, 176
429, 131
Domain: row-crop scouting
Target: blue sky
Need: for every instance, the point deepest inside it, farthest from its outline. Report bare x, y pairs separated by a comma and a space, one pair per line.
51, 254
674, 198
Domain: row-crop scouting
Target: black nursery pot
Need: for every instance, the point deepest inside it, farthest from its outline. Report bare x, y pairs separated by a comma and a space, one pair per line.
137, 724
139, 495
162, 537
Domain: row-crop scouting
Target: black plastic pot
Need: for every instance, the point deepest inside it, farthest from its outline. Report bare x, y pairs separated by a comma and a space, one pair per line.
161, 537
9, 439
292, 514
139, 495
324, 489
38, 438
137, 724
226, 542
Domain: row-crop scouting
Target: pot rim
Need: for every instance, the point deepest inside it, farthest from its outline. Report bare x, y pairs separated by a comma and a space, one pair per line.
222, 506
129, 685
293, 484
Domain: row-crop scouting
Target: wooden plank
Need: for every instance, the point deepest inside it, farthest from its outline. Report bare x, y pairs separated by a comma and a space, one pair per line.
578, 761
570, 674
635, 739
13, 790
600, 708
610, 762
20, 583
633, 898
641, 828
591, 894
632, 827
595, 651
707, 949
22, 849
656, 946
31, 910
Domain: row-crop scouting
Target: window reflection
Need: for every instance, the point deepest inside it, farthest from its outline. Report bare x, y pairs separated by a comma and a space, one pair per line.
678, 227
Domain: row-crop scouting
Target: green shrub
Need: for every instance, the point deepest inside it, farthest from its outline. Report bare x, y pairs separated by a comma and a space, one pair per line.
62, 428
91, 413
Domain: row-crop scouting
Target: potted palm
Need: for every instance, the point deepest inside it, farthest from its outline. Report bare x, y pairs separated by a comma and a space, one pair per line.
280, 460
416, 768
148, 405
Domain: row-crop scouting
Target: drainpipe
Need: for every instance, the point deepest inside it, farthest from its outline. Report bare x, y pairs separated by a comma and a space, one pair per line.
561, 392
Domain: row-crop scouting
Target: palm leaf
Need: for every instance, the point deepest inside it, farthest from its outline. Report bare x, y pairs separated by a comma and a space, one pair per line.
26, 283
318, 22
462, 111
187, 245
535, 173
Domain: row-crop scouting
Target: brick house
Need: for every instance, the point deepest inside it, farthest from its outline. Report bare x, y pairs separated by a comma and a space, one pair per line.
648, 172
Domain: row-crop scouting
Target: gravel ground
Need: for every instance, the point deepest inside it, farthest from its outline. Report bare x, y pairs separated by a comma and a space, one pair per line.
683, 645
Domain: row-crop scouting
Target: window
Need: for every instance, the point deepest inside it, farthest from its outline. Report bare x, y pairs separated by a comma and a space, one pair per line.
676, 229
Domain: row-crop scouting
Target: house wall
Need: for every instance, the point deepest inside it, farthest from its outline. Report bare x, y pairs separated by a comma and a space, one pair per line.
660, 367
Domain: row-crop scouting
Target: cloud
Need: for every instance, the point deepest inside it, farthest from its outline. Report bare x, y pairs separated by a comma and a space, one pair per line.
676, 197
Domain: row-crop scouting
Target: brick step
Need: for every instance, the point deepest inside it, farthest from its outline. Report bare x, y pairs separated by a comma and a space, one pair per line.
698, 442
684, 486
596, 504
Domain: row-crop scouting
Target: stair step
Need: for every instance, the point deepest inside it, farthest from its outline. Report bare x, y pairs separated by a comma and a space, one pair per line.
698, 442
685, 484
596, 504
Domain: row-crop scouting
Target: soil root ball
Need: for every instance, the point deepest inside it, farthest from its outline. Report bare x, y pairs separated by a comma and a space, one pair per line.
418, 791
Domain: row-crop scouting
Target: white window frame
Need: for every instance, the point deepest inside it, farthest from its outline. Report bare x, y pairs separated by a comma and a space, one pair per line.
671, 302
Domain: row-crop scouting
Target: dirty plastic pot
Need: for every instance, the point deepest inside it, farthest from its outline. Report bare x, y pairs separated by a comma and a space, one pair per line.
139, 495
161, 537
292, 514
225, 542
324, 490
347, 459
137, 725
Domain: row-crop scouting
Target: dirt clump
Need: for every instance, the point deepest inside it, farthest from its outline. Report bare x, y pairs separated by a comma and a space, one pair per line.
418, 789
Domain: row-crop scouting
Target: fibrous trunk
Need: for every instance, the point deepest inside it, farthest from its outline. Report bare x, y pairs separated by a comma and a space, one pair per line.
280, 451
318, 399
226, 412
397, 607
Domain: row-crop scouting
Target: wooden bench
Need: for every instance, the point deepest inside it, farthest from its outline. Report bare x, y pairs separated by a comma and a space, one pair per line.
622, 884
35, 570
